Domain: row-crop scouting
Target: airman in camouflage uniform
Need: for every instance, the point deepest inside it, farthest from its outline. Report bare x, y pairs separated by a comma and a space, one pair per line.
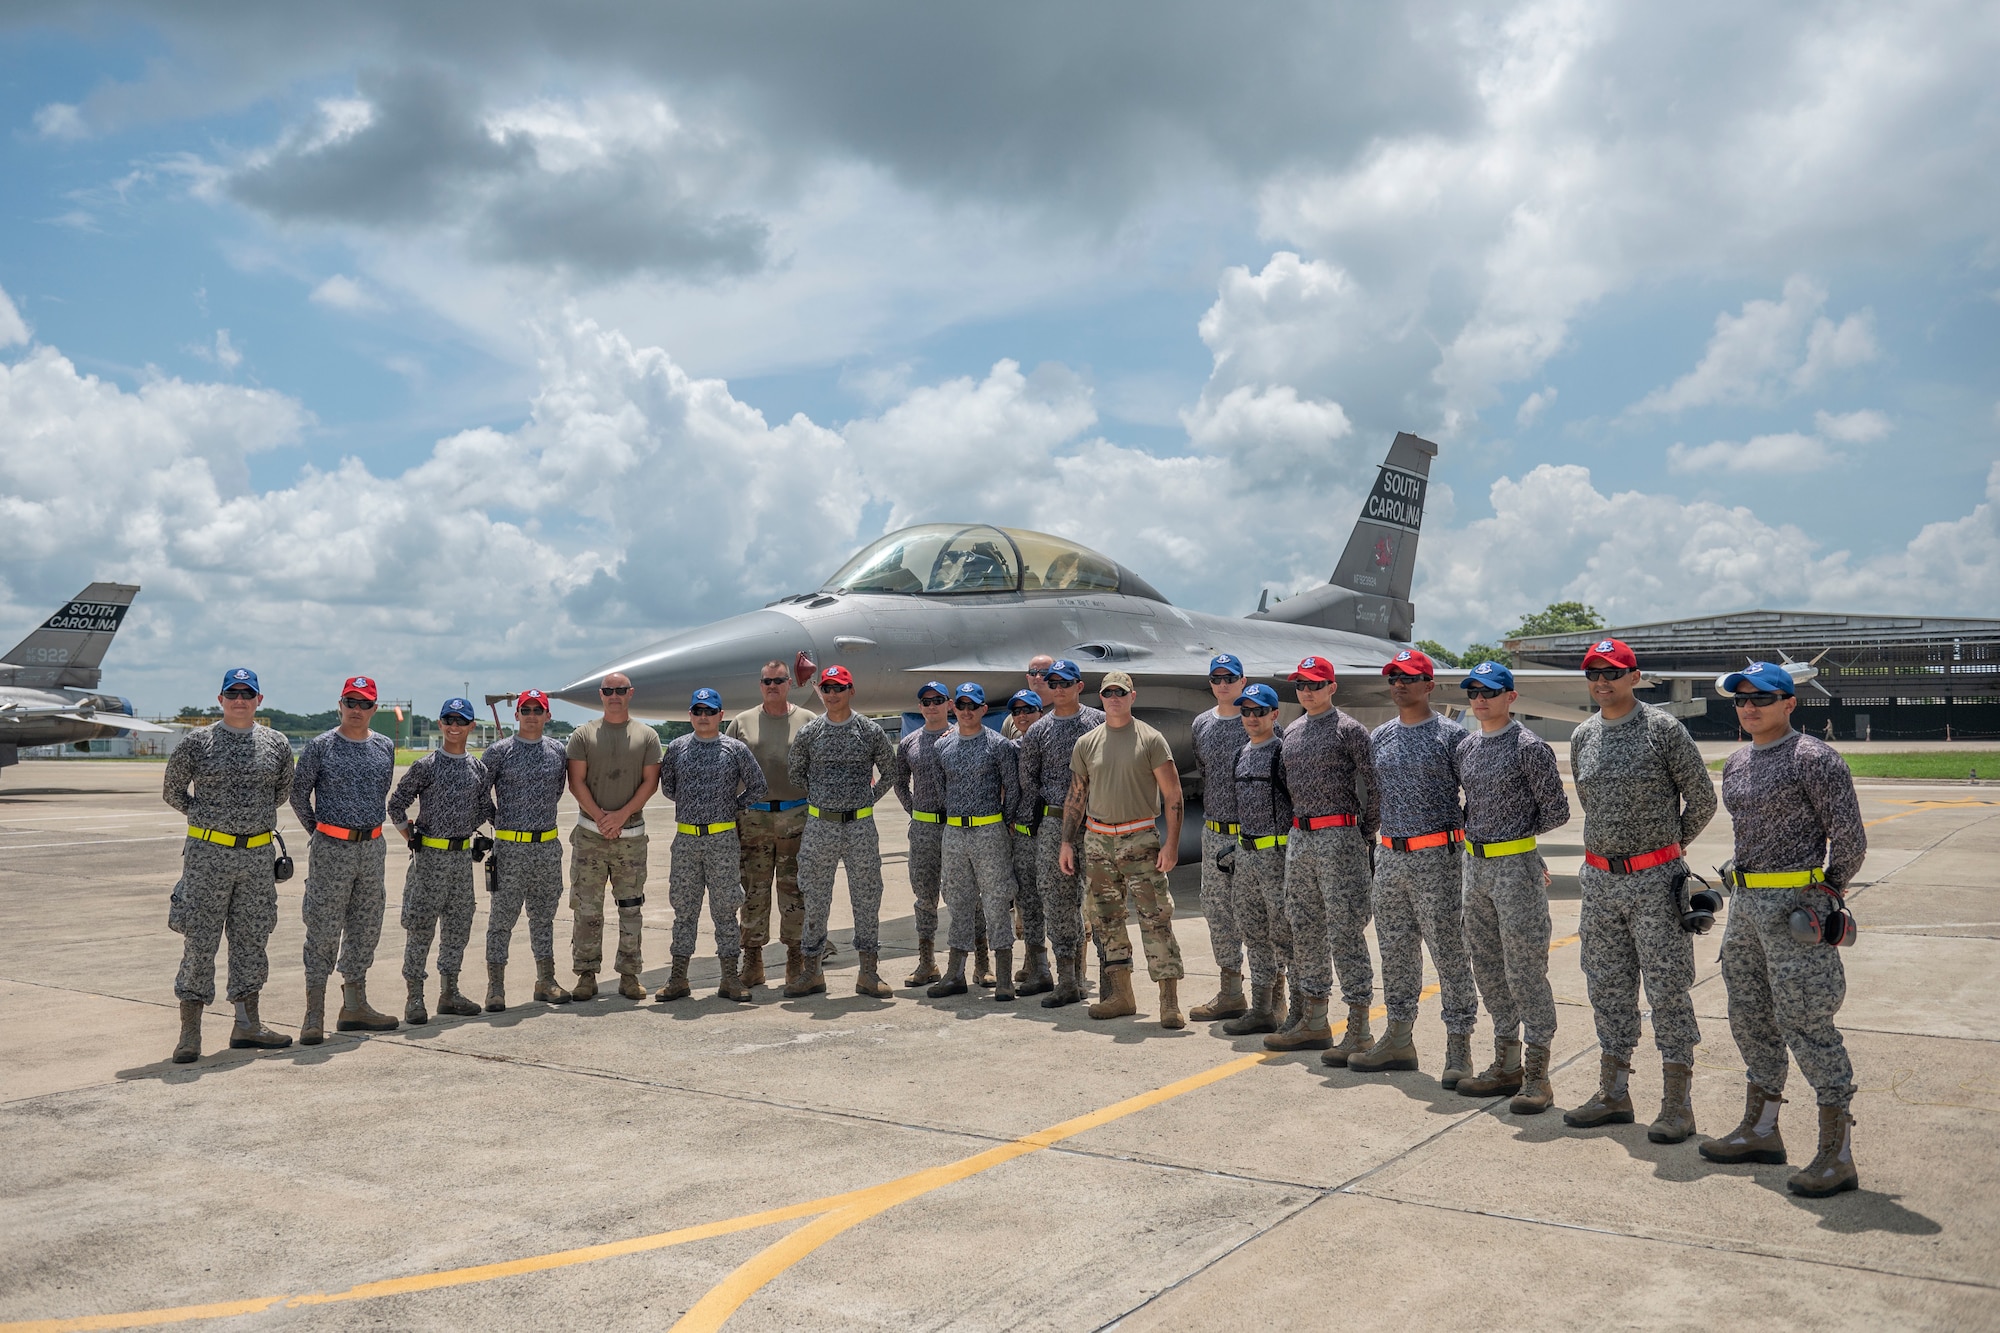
526, 775
1045, 784
1791, 799
614, 769
977, 773
1024, 709
229, 779
770, 829
923, 800
1263, 807
445, 785
1646, 795
1513, 795
338, 794
1218, 736
845, 762
711, 778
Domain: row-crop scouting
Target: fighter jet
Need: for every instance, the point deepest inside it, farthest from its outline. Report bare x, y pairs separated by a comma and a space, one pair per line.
971, 601
48, 681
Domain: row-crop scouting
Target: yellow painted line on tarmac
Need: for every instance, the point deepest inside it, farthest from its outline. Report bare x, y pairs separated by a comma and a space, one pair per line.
833, 1215
1923, 807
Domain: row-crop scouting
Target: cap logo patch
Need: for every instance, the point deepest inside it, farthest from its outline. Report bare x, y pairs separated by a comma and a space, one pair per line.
241, 674
1403, 656
1604, 646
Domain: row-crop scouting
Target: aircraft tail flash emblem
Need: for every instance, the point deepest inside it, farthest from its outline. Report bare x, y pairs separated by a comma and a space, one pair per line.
1385, 553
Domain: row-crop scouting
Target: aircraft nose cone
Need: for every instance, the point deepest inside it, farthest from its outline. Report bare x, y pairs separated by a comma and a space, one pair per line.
726, 656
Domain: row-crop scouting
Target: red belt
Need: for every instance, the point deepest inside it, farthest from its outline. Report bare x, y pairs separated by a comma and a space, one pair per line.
1626, 865
349, 834
1326, 821
1419, 843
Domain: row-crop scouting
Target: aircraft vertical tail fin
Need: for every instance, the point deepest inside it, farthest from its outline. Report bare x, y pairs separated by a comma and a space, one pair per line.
1369, 592
70, 645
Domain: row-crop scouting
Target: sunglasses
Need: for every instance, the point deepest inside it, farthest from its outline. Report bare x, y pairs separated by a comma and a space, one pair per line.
1310, 686
1483, 692
932, 700
1400, 678
361, 705
251, 694
967, 705
1019, 709
1063, 683
1256, 710
1223, 678
1038, 671
1607, 673
526, 710
1760, 700
769, 681
454, 721
832, 687
614, 690
703, 711
1115, 692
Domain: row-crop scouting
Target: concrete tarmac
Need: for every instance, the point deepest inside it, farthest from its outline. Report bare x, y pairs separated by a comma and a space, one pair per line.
841, 1162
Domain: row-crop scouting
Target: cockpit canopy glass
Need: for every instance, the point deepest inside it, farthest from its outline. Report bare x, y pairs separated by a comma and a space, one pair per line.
949, 558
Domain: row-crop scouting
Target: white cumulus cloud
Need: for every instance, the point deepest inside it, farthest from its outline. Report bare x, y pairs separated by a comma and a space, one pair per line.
1769, 351
1785, 452
341, 292
13, 329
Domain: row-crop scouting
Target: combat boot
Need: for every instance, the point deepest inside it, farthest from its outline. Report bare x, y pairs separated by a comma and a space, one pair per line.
1536, 1095
450, 1001
630, 986
250, 1034
926, 970
1312, 1033
810, 980
312, 1028
1038, 982
982, 964
1026, 971
1354, 1041
1676, 1119
1280, 1006
1457, 1059
1757, 1138
586, 986
1832, 1169
731, 986
1257, 1017
1611, 1104
356, 1014
1293, 1013
1171, 1017
414, 1012
953, 980
546, 989
868, 981
795, 963
188, 1049
1396, 1050
677, 987
496, 988
1003, 963
1117, 1001
753, 968
1501, 1078
1067, 990
1228, 1001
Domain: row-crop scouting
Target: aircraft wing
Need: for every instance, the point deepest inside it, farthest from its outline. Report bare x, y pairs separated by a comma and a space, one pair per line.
117, 720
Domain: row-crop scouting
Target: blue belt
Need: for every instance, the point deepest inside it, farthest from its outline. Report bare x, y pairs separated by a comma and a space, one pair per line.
775, 807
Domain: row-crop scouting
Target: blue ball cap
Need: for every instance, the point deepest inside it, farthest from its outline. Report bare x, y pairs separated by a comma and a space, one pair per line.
1028, 697
1062, 669
1764, 677
972, 690
237, 677
1261, 695
705, 698
1490, 674
1226, 662
937, 687
456, 707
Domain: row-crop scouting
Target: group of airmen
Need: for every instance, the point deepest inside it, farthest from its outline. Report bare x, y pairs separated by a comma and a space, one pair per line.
1046, 832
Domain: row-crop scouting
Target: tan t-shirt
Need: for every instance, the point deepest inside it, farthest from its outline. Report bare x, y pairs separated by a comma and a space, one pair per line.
1118, 762
770, 739
615, 759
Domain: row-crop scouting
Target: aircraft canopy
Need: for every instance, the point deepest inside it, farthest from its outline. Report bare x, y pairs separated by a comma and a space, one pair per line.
941, 559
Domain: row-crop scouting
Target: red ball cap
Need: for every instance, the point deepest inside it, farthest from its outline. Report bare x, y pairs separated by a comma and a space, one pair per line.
1410, 662
1610, 653
532, 697
358, 687
836, 675
1312, 668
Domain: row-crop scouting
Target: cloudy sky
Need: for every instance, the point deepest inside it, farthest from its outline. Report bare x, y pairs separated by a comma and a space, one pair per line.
475, 343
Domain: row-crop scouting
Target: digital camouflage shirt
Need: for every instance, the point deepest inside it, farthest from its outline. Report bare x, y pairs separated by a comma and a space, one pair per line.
525, 782
228, 780
1513, 788
1330, 768
342, 782
1417, 767
1216, 741
1045, 751
445, 789
1793, 807
837, 763
710, 782
1641, 782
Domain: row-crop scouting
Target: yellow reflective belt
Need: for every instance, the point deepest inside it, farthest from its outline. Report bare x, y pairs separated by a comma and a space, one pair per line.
863, 813
1265, 843
1215, 826
700, 830
1491, 849
522, 835
1025, 830
221, 839
446, 844
921, 816
972, 821
1780, 879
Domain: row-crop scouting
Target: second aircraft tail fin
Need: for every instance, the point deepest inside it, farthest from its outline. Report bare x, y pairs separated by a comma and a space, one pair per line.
68, 647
